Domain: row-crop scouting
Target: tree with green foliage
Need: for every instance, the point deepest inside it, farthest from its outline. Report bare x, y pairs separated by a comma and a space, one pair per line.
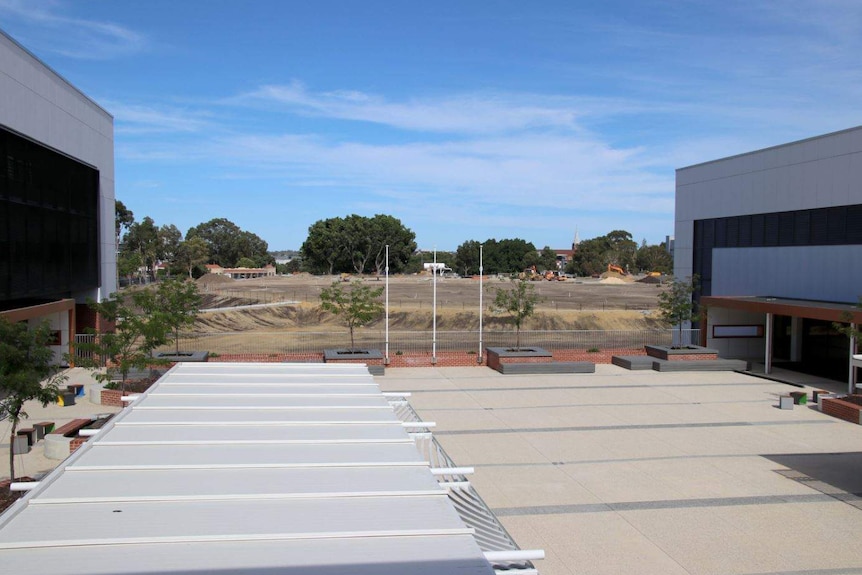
227, 243
27, 373
123, 218
547, 259
654, 259
138, 326
324, 251
519, 301
508, 255
675, 303
357, 307
357, 243
169, 238
848, 327
192, 254
143, 238
246, 263
467, 258
178, 302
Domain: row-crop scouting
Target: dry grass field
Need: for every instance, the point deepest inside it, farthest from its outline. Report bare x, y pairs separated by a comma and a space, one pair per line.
291, 303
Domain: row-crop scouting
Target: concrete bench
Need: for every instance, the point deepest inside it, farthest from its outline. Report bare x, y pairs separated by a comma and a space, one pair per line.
72, 428
547, 368
633, 362
377, 369
701, 365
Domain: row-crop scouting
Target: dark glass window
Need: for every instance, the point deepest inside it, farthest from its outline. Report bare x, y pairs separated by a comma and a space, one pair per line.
48, 222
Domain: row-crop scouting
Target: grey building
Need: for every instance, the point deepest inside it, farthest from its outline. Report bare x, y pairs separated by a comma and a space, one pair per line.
57, 239
775, 237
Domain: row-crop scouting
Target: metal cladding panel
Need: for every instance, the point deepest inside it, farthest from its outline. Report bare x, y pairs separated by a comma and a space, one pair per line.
422, 555
279, 483
254, 433
100, 455
261, 401
178, 521
272, 389
260, 416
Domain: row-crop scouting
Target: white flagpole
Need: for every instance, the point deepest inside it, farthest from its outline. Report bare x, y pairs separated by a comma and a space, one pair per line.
434, 332
481, 272
386, 354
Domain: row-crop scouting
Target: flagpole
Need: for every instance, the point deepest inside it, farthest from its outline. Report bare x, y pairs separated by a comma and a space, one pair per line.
434, 332
386, 354
481, 272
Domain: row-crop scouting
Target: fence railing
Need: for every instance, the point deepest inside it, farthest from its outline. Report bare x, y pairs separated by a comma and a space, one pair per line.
410, 342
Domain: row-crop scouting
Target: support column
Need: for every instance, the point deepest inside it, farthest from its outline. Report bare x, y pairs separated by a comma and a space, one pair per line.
767, 363
796, 339
851, 384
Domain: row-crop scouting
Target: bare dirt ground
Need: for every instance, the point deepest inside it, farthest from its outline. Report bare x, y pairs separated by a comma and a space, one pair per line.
291, 303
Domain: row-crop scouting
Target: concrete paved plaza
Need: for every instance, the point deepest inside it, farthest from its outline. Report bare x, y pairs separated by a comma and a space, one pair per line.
647, 472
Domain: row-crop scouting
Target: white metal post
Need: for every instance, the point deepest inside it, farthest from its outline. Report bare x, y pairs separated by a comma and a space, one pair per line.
767, 364
481, 293
434, 324
851, 384
386, 353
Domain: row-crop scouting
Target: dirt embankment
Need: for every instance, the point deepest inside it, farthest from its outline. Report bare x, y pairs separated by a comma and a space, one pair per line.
308, 317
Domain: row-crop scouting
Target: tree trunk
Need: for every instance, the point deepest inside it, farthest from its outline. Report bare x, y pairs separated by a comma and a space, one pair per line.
12, 448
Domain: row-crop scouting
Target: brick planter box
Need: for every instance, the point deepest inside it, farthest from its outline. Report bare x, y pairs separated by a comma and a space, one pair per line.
687, 353
183, 356
496, 356
848, 408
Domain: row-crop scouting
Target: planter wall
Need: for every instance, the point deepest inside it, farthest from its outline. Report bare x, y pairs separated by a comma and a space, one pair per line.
688, 353
496, 356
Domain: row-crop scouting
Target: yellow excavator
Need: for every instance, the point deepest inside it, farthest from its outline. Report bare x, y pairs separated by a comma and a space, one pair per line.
618, 269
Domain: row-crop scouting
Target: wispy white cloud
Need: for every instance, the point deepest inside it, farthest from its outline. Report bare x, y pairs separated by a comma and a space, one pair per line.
49, 29
139, 119
466, 113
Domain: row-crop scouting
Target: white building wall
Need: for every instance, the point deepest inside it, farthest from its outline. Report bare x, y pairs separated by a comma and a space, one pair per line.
38, 103
751, 348
818, 172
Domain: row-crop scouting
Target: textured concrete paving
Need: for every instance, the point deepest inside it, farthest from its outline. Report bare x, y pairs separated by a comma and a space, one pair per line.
34, 463
652, 473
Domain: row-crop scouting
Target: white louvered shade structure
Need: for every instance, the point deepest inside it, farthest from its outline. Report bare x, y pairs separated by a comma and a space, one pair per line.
245, 468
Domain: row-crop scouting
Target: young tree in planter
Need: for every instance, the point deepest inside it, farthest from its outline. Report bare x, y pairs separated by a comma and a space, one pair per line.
178, 302
26, 373
139, 326
357, 307
520, 302
675, 304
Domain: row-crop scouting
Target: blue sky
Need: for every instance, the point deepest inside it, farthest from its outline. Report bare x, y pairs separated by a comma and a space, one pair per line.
465, 119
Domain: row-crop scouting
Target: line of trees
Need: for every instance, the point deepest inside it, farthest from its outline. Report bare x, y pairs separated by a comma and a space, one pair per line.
618, 248
142, 245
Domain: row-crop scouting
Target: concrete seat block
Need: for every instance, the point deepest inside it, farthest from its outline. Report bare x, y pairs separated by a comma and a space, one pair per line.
547, 368
705, 365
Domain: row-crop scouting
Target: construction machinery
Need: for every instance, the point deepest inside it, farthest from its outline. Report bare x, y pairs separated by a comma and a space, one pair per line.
618, 269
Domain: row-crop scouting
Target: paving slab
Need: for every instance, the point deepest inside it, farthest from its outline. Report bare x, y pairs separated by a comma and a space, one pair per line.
648, 472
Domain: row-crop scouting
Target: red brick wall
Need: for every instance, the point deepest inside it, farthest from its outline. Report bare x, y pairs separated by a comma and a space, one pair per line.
692, 357
111, 397
846, 410
444, 358
76, 443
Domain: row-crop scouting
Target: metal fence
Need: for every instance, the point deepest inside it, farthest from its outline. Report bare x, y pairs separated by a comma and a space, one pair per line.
417, 342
